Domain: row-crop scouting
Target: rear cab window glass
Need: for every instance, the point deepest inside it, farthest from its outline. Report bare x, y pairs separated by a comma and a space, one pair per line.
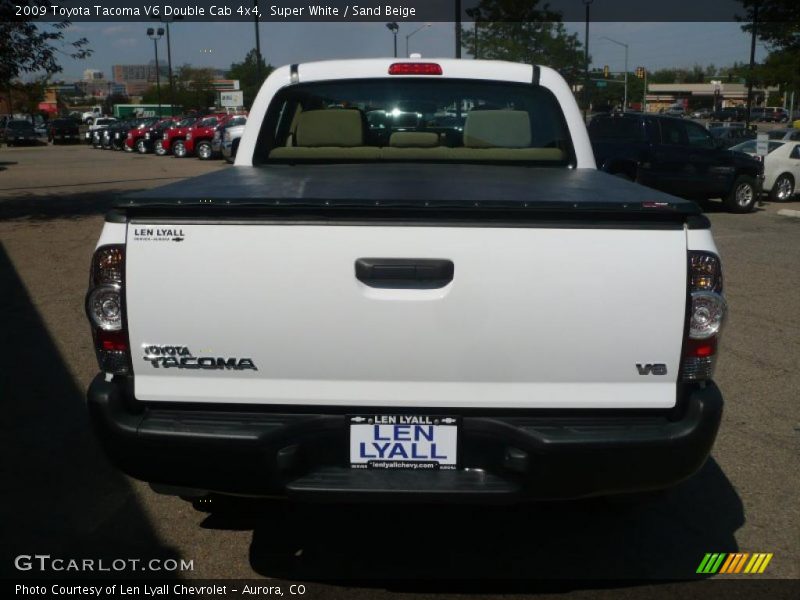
413, 119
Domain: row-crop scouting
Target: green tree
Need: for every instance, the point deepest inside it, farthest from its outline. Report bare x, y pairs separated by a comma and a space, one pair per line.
247, 72
778, 26
111, 100
524, 32
26, 47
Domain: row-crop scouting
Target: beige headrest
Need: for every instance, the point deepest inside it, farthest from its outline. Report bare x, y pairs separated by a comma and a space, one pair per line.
497, 129
414, 139
330, 127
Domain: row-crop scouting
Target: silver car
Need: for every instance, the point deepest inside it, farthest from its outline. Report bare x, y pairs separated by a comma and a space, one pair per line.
231, 134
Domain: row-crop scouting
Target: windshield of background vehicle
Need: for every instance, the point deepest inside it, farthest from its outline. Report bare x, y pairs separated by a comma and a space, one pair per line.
413, 119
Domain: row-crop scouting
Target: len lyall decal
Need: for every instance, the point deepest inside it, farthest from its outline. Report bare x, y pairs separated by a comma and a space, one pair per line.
734, 563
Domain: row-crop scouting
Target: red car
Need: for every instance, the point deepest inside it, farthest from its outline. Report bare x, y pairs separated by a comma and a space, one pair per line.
137, 132
174, 136
144, 139
200, 136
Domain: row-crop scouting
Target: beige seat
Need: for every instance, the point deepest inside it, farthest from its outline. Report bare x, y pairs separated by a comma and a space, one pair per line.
414, 139
497, 129
493, 135
336, 133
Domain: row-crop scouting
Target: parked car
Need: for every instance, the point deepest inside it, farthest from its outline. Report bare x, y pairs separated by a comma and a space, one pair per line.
730, 136
345, 317
175, 136
231, 135
63, 130
774, 114
781, 167
18, 132
677, 156
93, 133
792, 134
114, 135
199, 137
153, 134
136, 134
702, 113
674, 111
731, 113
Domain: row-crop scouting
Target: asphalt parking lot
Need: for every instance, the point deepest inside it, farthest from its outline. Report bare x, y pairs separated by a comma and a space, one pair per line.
64, 499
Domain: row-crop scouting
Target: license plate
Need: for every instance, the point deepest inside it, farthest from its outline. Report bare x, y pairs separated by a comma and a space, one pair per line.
403, 442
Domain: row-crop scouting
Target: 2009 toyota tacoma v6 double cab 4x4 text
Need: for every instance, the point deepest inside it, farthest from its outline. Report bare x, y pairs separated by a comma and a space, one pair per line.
414, 284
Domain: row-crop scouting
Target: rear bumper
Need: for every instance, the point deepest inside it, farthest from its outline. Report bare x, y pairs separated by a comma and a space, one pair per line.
527, 455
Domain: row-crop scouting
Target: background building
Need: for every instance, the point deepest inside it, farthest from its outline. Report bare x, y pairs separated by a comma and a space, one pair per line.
92, 75
703, 95
138, 78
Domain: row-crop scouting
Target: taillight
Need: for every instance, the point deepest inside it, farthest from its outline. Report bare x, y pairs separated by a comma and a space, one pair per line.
415, 68
707, 312
105, 307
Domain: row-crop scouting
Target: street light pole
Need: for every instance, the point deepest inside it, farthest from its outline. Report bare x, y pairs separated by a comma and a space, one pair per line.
169, 68
752, 66
586, 95
625, 100
412, 33
393, 27
155, 35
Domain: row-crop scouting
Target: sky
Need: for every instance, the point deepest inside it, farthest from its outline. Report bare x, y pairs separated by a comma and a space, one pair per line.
652, 45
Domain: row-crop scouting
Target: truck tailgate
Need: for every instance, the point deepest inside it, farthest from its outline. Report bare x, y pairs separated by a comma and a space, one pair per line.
533, 317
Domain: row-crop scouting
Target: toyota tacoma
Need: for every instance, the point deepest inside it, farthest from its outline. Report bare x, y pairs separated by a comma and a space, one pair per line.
413, 285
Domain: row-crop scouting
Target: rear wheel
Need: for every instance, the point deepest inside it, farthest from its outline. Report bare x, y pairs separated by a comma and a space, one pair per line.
141, 147
160, 150
743, 195
204, 151
179, 149
783, 189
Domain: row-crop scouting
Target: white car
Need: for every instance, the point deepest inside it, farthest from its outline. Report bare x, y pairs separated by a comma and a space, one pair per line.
781, 167
792, 134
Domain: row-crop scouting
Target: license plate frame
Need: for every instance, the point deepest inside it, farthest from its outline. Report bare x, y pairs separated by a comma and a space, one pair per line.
404, 441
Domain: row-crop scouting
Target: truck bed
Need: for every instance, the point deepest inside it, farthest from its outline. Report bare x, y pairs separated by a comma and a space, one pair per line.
416, 186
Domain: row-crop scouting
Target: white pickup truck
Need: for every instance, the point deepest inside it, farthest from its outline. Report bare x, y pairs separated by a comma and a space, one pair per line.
413, 285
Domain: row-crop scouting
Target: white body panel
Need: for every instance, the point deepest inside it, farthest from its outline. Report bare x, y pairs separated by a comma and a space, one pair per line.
549, 318
457, 69
780, 161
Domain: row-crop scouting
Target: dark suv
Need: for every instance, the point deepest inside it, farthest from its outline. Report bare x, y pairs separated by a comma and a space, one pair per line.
676, 156
731, 113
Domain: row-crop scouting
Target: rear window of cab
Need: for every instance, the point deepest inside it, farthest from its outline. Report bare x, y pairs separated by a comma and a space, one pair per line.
414, 119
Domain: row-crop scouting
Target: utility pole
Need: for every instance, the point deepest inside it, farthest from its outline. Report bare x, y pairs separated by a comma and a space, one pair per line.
258, 43
752, 65
458, 28
586, 93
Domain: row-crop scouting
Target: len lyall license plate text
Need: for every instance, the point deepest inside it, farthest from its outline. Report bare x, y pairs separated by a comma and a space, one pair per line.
403, 442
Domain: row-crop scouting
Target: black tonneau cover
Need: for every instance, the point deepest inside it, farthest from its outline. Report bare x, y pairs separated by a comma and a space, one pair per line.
442, 185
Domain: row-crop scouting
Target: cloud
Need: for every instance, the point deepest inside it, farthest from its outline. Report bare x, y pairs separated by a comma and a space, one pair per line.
126, 42
114, 30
